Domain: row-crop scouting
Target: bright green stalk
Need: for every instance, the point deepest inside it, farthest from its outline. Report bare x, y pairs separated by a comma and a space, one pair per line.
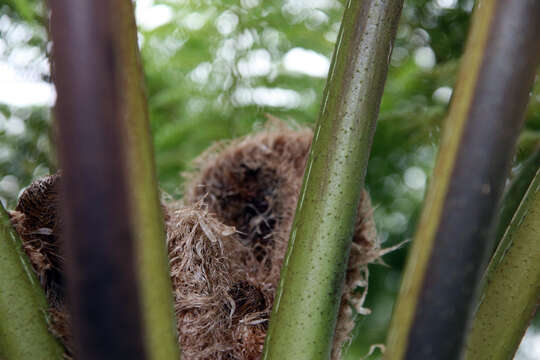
308, 298
151, 253
24, 333
512, 290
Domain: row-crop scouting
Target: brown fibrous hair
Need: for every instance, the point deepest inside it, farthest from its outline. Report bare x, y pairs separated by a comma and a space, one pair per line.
226, 242
253, 184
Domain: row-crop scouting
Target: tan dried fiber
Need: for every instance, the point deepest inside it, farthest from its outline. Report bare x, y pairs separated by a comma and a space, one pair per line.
37, 222
253, 184
35, 219
226, 243
219, 311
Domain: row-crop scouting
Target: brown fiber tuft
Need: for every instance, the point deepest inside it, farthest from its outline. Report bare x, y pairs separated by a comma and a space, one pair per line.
217, 307
253, 184
37, 222
226, 243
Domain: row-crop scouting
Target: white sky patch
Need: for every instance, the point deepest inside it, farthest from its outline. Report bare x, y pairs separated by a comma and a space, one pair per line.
447, 4
399, 54
14, 126
140, 39
5, 153
317, 18
420, 37
424, 57
270, 37
295, 7
227, 51
331, 36
248, 4
201, 73
244, 40
9, 184
21, 56
257, 63
226, 22
395, 222
308, 62
21, 71
16, 33
16, 90
443, 94
263, 96
150, 16
194, 21
415, 178
530, 346
40, 171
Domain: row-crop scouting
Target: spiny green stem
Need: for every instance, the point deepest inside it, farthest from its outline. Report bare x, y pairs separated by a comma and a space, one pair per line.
512, 290
308, 298
516, 190
446, 262
24, 333
150, 246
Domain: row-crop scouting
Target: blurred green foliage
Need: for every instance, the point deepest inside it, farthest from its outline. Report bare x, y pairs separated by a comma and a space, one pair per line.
215, 68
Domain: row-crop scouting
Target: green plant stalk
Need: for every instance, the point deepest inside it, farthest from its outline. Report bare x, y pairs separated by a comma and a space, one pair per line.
512, 290
24, 333
515, 192
307, 300
150, 245
446, 262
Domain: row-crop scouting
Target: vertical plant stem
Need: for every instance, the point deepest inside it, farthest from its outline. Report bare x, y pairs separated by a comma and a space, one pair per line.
103, 292
24, 333
308, 298
149, 232
516, 190
512, 291
447, 259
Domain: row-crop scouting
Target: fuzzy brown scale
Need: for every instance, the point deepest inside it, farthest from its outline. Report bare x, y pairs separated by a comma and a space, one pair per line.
226, 244
247, 298
257, 180
253, 185
37, 222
